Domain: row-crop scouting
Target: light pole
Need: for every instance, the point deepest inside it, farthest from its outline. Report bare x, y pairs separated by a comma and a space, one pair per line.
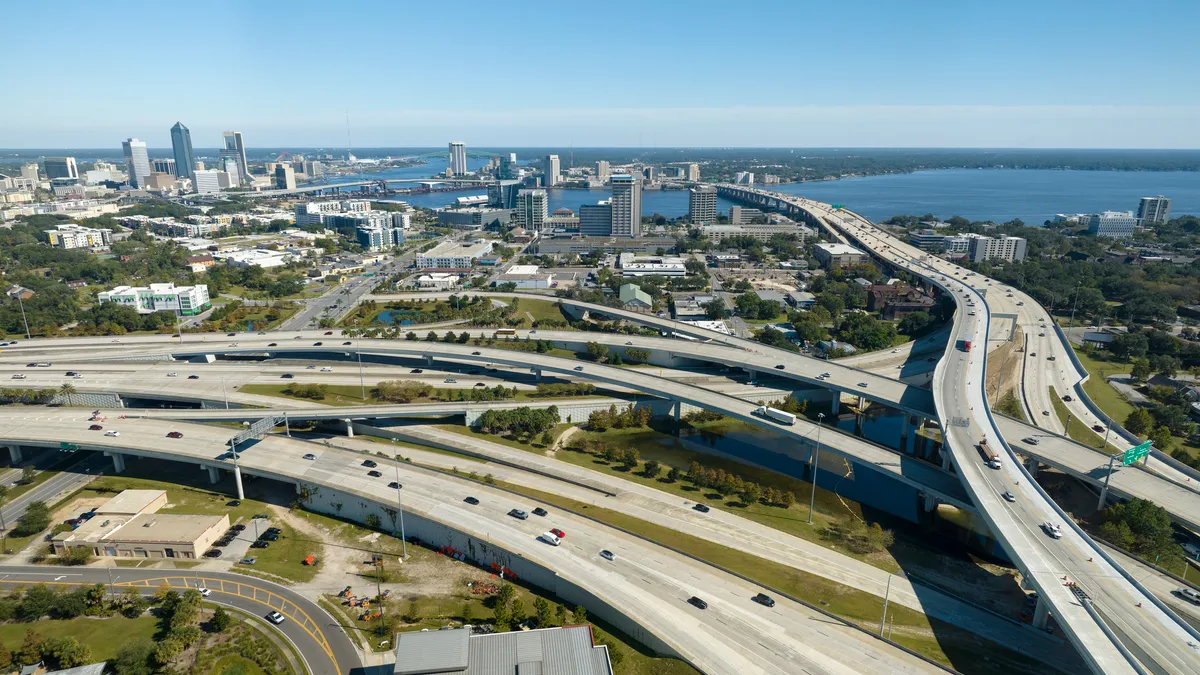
886, 593
1078, 286
1107, 477
399, 504
224, 394
814, 463
23, 319
362, 383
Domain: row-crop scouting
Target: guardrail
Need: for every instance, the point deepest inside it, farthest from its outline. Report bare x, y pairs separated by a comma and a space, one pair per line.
1083, 397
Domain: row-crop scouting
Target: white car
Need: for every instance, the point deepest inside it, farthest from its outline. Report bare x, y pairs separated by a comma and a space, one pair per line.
327, 369
112, 433
449, 380
1054, 531
172, 374
19, 376
204, 592
275, 618
1031, 440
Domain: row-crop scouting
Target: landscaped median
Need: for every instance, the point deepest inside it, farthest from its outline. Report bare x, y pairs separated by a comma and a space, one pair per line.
1076, 429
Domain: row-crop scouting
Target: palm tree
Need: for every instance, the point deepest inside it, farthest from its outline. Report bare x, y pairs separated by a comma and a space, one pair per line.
67, 389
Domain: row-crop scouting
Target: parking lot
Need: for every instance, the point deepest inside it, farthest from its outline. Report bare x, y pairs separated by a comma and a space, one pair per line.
239, 545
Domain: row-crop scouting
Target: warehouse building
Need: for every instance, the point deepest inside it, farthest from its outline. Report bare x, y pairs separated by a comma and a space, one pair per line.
128, 526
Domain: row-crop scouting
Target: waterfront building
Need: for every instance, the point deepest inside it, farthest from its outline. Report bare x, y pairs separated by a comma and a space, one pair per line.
626, 206
163, 165
595, 220
532, 209
744, 178
603, 170
137, 161
64, 167
1114, 224
70, 235
458, 158
502, 194
452, 255
1151, 210
183, 300
1008, 249
693, 172
285, 177
760, 231
508, 167
181, 148
235, 145
553, 171
702, 204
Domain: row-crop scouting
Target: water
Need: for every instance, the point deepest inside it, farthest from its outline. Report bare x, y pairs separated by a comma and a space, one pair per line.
388, 317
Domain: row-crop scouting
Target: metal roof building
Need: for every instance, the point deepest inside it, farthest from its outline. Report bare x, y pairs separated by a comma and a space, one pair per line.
548, 651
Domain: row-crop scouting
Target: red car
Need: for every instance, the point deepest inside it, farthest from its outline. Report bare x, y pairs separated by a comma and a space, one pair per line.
95, 427
329, 332
175, 434
557, 532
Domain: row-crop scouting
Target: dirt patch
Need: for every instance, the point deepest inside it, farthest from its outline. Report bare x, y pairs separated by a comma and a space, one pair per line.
1004, 365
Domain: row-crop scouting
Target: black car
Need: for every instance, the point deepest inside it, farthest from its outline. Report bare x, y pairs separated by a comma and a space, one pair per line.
472, 501
779, 367
273, 344
394, 485
369, 463
475, 354
374, 474
697, 603
213, 553
317, 344
539, 511
260, 544
239, 527
235, 502
346, 343
193, 377
287, 376
701, 508
274, 530
416, 371
268, 536
230, 334
764, 600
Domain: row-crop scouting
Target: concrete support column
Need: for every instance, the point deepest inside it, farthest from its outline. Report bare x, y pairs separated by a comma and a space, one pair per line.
753, 374
862, 403
1032, 466
299, 489
14, 453
677, 410
946, 464
349, 427
537, 374
836, 407
1041, 614
214, 474
118, 461
930, 503
237, 478
428, 361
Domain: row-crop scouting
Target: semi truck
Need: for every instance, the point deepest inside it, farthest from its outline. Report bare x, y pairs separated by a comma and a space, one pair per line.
778, 415
966, 345
989, 456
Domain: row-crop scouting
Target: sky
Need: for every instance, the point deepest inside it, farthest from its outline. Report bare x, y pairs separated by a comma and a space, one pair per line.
861, 73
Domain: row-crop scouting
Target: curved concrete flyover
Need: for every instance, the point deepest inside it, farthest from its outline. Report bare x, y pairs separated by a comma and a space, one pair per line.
318, 637
643, 592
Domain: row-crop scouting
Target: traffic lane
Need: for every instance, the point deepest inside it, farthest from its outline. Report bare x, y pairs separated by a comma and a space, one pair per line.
76, 475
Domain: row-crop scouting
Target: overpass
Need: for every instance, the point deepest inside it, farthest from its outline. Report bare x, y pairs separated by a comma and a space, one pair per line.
1117, 625
365, 183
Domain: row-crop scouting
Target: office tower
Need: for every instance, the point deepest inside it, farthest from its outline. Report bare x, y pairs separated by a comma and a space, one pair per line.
602, 170
316, 168
230, 166
651, 173
1151, 210
702, 204
64, 167
502, 194
285, 177
693, 172
30, 171
744, 178
626, 206
181, 147
512, 157
206, 181
595, 220
163, 165
137, 162
532, 209
508, 168
1115, 224
235, 146
458, 158
553, 171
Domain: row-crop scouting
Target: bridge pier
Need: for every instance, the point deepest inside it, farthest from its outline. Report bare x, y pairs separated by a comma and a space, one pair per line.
1032, 466
118, 461
349, 427
214, 473
537, 374
677, 410
237, 479
862, 402
946, 464
930, 503
836, 404
14, 453
428, 361
752, 374
1041, 613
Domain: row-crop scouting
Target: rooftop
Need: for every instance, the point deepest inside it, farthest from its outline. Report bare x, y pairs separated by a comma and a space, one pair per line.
548, 651
131, 502
839, 249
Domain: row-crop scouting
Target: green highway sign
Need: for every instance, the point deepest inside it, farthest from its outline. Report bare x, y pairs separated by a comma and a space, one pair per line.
1135, 453
63, 445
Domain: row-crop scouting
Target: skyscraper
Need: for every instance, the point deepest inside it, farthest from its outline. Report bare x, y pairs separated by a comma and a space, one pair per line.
507, 170
285, 177
502, 194
137, 162
553, 171
693, 172
235, 146
181, 146
61, 167
164, 165
602, 170
595, 220
1151, 210
532, 209
626, 206
229, 165
458, 158
702, 204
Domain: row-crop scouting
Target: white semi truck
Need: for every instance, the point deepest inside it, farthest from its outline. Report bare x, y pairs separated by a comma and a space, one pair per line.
777, 415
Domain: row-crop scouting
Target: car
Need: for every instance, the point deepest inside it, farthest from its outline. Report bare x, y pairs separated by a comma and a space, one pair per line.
1046, 413
895, 351
863, 385
1097, 428
204, 592
579, 369
374, 474
287, 376
212, 553
247, 561
260, 544
269, 536
298, 337
237, 528
970, 313
1033, 353
519, 514
557, 532
112, 433
369, 463
1050, 358
697, 603
629, 343
19, 376
273, 344
480, 384
275, 618
1068, 398
329, 332
309, 456
274, 530
31, 365
394, 485
1189, 594
1041, 335
318, 344
702, 508
608, 555
95, 427
1052, 530
1008, 496
449, 380
779, 366
70, 373
259, 516
174, 434
234, 502
416, 371
193, 377
539, 511
1031, 440
230, 334
764, 600
476, 354
310, 367
77, 376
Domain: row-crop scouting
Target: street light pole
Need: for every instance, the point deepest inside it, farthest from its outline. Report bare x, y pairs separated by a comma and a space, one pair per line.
1078, 286
224, 394
886, 594
399, 504
814, 465
21, 303
1107, 477
362, 383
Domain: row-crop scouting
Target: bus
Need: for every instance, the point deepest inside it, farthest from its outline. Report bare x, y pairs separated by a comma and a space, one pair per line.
506, 331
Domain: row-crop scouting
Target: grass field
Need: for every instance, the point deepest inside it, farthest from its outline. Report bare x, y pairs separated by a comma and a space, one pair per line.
1098, 388
1075, 429
542, 310
349, 394
104, 636
503, 440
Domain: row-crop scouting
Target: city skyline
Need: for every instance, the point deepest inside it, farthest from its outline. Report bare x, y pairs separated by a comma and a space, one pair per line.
934, 76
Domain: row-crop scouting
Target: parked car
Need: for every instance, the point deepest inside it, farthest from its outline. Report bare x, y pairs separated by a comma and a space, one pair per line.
260, 516
268, 536
212, 553
260, 544
247, 561
237, 528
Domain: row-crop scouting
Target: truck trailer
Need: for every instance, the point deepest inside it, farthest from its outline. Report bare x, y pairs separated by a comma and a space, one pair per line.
778, 415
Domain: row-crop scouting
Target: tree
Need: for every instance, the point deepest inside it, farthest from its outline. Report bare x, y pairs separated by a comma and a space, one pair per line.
67, 652
1141, 370
1139, 421
411, 336
560, 615
544, 613
651, 468
6, 659
35, 519
547, 438
1160, 437
30, 651
95, 597
37, 602
915, 323
579, 615
165, 650
219, 621
1130, 346
3, 525
673, 475
597, 350
1149, 525
27, 474
695, 266
133, 658
68, 390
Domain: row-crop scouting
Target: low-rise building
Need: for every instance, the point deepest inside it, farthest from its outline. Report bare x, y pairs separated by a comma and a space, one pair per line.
568, 650
452, 255
526, 277
838, 255
633, 265
473, 217
895, 301
606, 245
255, 257
378, 237
70, 235
183, 300
128, 526
438, 281
633, 297
758, 231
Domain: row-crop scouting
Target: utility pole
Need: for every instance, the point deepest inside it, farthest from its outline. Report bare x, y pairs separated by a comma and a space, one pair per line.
814, 465
361, 382
886, 594
1078, 285
224, 394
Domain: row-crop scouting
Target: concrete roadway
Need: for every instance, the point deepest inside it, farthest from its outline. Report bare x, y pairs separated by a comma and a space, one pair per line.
318, 638
67, 480
650, 584
1156, 640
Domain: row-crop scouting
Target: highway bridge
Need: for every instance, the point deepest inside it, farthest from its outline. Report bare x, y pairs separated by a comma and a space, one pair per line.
364, 184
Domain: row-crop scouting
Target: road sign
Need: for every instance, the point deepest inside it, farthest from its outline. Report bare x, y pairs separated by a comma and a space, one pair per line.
1135, 453
63, 445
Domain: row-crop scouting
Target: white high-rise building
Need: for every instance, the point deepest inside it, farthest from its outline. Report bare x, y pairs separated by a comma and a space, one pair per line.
702, 204
64, 167
1115, 224
693, 172
458, 158
553, 171
532, 210
626, 206
206, 181
1151, 210
285, 177
30, 171
230, 166
235, 146
603, 170
744, 178
1005, 248
137, 162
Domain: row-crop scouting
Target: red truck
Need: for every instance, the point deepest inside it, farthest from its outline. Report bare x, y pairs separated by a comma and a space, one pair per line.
966, 345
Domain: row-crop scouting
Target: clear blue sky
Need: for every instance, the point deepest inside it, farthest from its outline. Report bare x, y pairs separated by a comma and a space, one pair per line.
530, 73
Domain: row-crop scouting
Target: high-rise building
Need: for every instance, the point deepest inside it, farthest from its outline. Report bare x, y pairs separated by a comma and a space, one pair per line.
595, 220
235, 145
1009, 249
507, 169
458, 158
230, 166
163, 165
30, 171
1151, 210
285, 177
62, 167
602, 170
206, 181
693, 172
626, 206
502, 194
553, 171
181, 148
1115, 224
702, 204
744, 178
137, 162
532, 210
